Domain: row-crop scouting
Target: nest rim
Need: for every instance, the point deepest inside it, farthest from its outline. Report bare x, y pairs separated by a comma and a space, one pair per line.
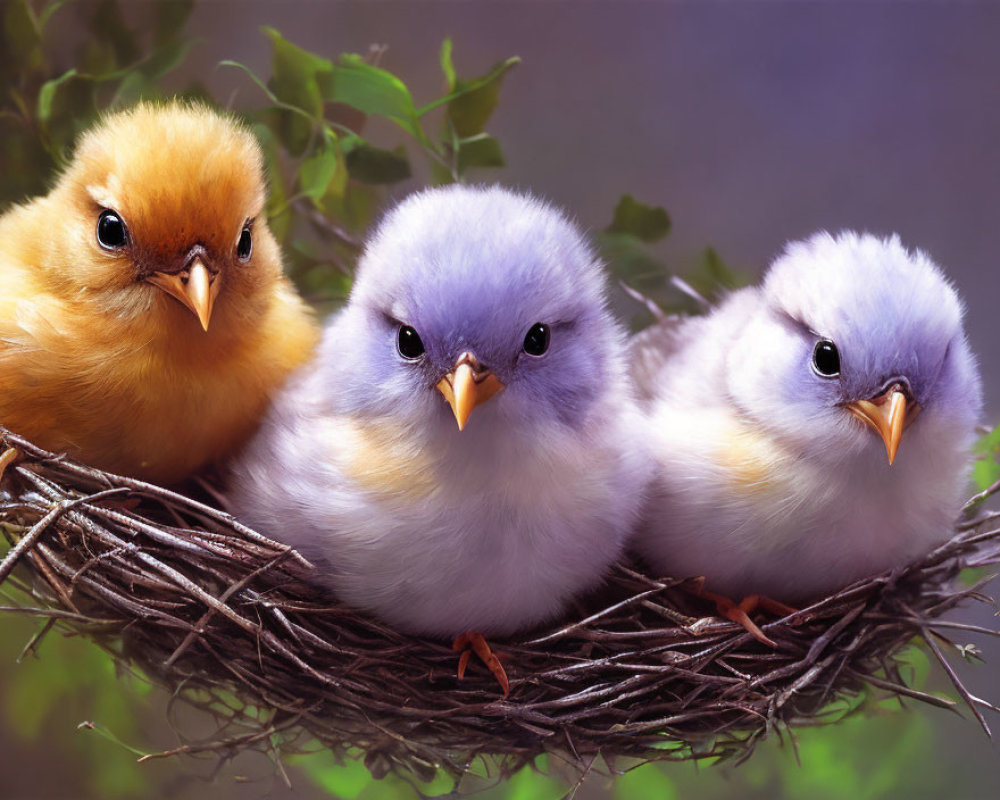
209, 609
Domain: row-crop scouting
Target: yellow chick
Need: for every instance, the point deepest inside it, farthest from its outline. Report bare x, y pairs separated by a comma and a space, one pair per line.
144, 316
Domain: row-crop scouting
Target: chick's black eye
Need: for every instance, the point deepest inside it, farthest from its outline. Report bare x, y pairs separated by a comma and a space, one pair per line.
111, 232
408, 342
536, 341
826, 358
245, 245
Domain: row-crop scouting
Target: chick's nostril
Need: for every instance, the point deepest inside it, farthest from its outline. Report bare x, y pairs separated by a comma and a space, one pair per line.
899, 385
468, 357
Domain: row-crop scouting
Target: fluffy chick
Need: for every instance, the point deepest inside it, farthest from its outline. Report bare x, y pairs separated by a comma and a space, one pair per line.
775, 422
486, 308
144, 316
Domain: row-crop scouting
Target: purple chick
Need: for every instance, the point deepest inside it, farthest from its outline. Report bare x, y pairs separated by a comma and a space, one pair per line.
776, 419
487, 308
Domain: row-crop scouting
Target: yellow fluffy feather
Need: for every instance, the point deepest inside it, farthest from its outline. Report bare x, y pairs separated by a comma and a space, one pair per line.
99, 361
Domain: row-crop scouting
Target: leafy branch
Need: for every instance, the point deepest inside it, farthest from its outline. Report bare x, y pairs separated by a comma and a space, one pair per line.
327, 177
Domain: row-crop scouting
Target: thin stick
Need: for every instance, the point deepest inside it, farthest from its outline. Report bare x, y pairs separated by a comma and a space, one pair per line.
970, 701
35, 532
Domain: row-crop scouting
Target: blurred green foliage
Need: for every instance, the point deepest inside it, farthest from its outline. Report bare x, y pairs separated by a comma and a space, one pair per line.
624, 245
325, 123
51, 682
44, 106
986, 470
875, 754
328, 181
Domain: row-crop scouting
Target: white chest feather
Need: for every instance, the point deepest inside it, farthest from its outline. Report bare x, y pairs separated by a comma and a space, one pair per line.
484, 535
730, 502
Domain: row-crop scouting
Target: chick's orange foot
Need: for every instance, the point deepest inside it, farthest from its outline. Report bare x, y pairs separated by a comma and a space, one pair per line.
740, 612
471, 642
8, 457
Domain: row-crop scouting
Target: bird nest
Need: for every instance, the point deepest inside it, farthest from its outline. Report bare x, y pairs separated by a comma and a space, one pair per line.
227, 620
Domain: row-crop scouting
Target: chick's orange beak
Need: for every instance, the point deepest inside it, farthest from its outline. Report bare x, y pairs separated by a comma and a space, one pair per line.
468, 385
195, 287
887, 414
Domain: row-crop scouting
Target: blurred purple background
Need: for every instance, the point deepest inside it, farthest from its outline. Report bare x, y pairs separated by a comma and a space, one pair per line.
751, 123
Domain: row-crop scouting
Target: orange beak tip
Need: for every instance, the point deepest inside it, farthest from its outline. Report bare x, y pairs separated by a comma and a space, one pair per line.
464, 389
197, 293
887, 416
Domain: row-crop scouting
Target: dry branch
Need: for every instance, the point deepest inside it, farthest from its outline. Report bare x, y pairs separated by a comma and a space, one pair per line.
227, 620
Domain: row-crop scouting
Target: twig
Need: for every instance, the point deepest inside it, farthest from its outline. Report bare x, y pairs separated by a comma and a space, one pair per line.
226, 620
970, 701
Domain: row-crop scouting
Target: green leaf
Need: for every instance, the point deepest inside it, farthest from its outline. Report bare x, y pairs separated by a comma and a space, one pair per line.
720, 274
354, 209
373, 91
294, 88
291, 124
374, 165
318, 171
296, 74
47, 94
985, 473
479, 151
447, 67
471, 102
270, 147
914, 665
711, 278
646, 223
986, 470
279, 215
629, 260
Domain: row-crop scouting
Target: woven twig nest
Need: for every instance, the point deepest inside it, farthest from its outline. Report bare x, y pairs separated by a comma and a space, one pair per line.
227, 620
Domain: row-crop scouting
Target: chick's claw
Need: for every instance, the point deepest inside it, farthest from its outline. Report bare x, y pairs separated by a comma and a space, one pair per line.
733, 429
740, 612
8, 457
772, 606
471, 642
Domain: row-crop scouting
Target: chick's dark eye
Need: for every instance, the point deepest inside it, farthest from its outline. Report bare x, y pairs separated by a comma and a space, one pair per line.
536, 341
245, 245
826, 358
408, 342
111, 232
